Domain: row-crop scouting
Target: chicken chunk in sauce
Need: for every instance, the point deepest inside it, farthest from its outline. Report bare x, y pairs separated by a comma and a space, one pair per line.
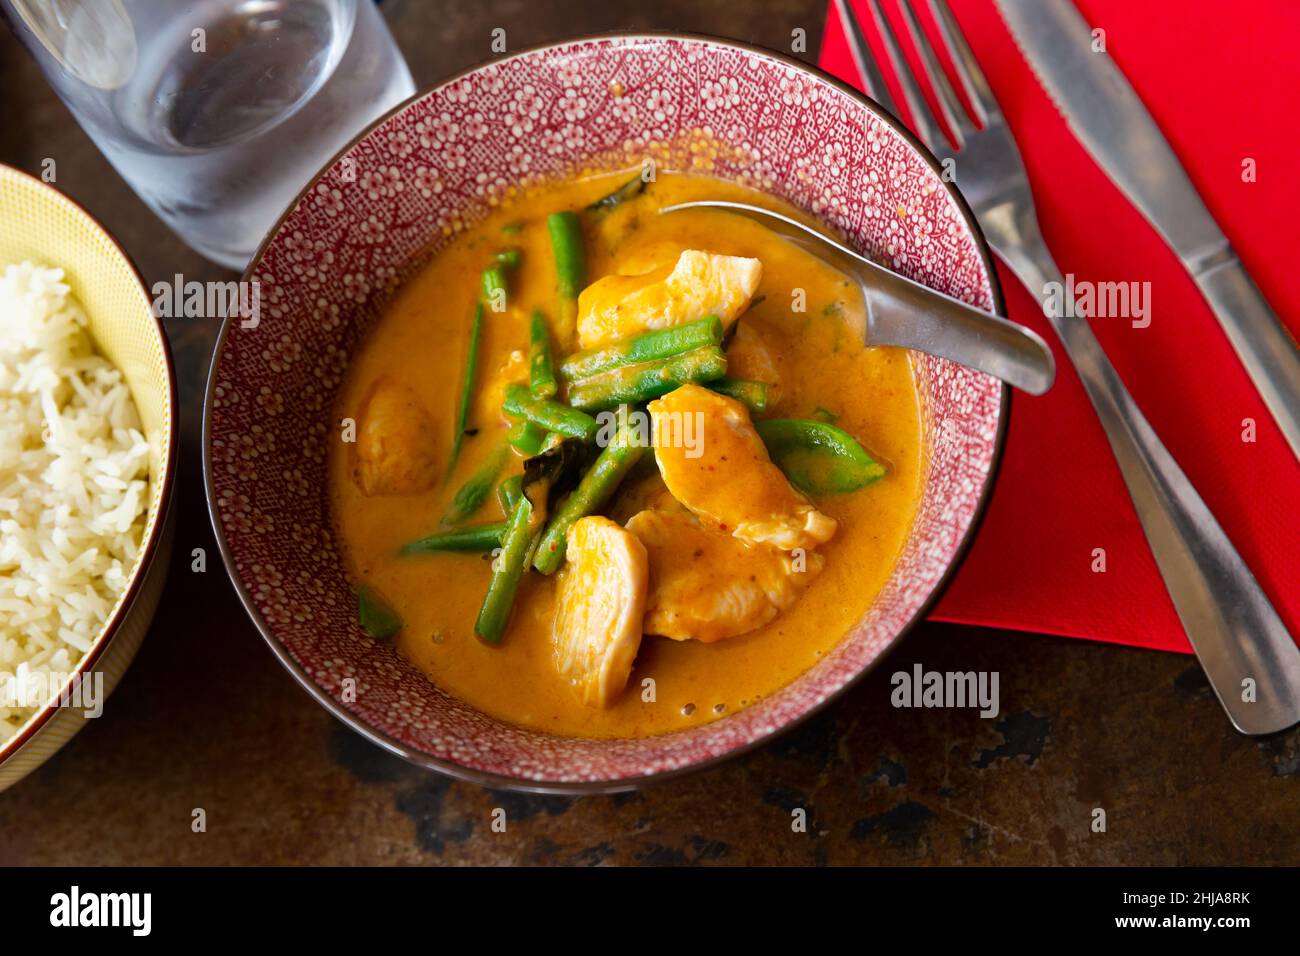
699, 284
725, 476
707, 586
396, 451
601, 602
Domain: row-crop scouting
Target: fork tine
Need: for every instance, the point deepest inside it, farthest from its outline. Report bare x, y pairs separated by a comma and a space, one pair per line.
871, 76
953, 112
963, 59
923, 120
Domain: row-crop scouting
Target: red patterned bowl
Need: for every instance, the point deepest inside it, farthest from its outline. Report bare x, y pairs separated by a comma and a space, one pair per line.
406, 187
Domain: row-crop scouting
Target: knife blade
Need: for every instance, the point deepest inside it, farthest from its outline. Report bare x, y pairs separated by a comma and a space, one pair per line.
1106, 115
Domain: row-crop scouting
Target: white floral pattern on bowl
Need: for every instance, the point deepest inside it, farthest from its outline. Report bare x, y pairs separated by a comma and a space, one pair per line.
406, 188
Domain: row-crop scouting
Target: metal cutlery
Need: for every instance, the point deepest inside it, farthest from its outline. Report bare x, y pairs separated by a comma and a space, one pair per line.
1251, 661
1106, 115
907, 314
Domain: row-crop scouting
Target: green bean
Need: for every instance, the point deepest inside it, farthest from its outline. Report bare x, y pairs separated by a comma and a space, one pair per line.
570, 253
596, 487
507, 570
629, 190
379, 620
633, 384
471, 495
752, 394
526, 436
494, 287
570, 268
818, 457
510, 491
550, 414
541, 366
508, 258
467, 389
479, 537
646, 347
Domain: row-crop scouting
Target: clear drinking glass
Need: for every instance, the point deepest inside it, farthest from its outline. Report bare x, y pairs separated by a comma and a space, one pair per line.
217, 112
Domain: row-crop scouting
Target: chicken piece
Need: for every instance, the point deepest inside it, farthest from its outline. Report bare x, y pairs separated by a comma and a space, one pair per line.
396, 450
706, 585
714, 463
597, 628
700, 284
749, 357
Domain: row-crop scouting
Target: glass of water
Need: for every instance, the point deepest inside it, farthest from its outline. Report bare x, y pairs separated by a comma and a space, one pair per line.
217, 112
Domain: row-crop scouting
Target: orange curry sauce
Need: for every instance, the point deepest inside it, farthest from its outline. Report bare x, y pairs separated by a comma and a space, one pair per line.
822, 363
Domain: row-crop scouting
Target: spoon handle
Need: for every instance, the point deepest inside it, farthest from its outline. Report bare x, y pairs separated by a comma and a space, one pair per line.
903, 313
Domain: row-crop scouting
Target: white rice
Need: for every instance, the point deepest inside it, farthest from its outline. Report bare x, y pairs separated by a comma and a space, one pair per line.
74, 483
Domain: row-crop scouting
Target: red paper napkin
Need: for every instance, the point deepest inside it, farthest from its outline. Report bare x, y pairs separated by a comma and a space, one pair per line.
1224, 88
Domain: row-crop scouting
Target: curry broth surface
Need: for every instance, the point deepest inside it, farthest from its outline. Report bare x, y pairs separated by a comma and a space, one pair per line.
421, 341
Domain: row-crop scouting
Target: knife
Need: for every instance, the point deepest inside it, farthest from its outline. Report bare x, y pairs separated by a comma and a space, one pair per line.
1106, 115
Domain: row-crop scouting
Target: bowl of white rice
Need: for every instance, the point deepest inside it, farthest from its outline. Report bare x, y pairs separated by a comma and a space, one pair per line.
88, 430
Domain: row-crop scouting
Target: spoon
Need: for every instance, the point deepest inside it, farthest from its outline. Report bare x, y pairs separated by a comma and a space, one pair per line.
907, 314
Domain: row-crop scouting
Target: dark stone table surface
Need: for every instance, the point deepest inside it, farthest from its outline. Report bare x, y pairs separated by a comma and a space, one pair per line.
207, 718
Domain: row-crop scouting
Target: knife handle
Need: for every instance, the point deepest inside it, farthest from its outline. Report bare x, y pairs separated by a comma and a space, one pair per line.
1262, 342
1236, 633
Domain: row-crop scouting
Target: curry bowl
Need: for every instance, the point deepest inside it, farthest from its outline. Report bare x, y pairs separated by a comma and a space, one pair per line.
448, 160
39, 225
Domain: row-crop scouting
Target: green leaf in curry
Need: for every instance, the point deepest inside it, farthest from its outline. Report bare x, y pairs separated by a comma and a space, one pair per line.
628, 191
817, 457
555, 471
377, 617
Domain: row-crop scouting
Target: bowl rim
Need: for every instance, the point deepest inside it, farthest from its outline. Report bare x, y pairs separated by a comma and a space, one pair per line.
149, 548
623, 784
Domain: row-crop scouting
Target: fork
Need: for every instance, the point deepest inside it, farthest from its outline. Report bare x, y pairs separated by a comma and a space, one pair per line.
1249, 658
